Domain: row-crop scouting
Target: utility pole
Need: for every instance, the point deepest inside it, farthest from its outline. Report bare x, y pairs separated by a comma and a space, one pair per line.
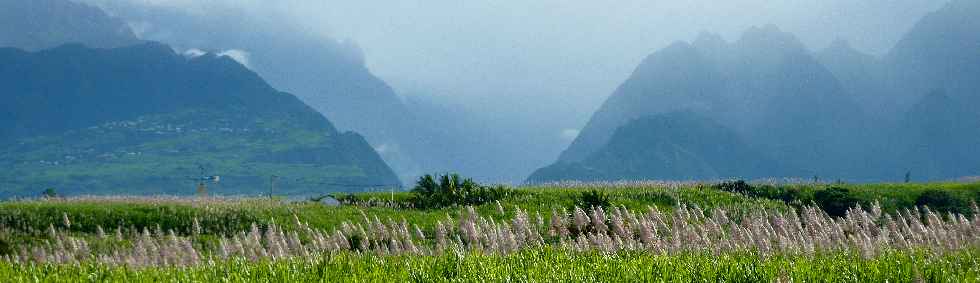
202, 188
202, 181
272, 185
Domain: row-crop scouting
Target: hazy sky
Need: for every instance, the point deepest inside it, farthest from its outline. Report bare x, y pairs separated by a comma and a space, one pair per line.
512, 54
546, 65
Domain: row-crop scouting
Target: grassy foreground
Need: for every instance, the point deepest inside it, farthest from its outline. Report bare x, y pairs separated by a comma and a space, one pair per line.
548, 265
231, 215
223, 216
678, 232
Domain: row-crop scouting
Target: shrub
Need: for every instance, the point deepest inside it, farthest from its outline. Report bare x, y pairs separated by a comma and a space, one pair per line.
593, 198
835, 200
738, 187
49, 193
786, 195
791, 195
6, 248
452, 190
344, 199
944, 201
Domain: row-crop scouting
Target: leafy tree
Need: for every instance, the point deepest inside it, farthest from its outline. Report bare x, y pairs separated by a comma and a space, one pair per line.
452, 190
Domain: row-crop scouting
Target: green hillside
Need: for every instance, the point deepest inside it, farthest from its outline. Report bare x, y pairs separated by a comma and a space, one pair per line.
144, 120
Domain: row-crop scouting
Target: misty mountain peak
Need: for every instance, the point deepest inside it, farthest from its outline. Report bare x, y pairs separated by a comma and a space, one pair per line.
769, 38
153, 49
41, 24
713, 47
842, 52
963, 6
945, 32
677, 55
676, 77
940, 51
709, 39
353, 51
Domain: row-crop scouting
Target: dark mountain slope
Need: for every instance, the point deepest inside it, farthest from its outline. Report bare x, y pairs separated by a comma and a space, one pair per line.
671, 146
933, 73
942, 136
942, 51
327, 74
766, 87
803, 118
41, 24
141, 119
672, 79
858, 73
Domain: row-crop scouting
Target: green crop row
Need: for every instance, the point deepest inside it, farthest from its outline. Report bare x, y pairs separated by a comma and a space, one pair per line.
538, 265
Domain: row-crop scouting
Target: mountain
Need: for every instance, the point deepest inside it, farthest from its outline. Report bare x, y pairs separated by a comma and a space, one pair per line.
859, 74
766, 87
330, 75
145, 120
933, 72
792, 108
939, 52
675, 78
670, 146
42, 24
837, 113
919, 94
942, 135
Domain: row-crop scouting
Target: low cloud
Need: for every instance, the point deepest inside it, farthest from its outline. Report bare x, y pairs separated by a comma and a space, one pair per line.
386, 148
241, 56
140, 28
194, 53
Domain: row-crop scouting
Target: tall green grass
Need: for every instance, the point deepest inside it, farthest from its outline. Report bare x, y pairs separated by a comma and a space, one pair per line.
224, 216
24, 224
539, 265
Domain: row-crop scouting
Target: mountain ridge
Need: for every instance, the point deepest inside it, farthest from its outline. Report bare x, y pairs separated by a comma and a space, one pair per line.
670, 146
837, 112
143, 118
21, 25
763, 86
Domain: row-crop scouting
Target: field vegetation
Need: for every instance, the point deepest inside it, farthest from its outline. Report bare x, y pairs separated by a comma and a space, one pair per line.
450, 228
